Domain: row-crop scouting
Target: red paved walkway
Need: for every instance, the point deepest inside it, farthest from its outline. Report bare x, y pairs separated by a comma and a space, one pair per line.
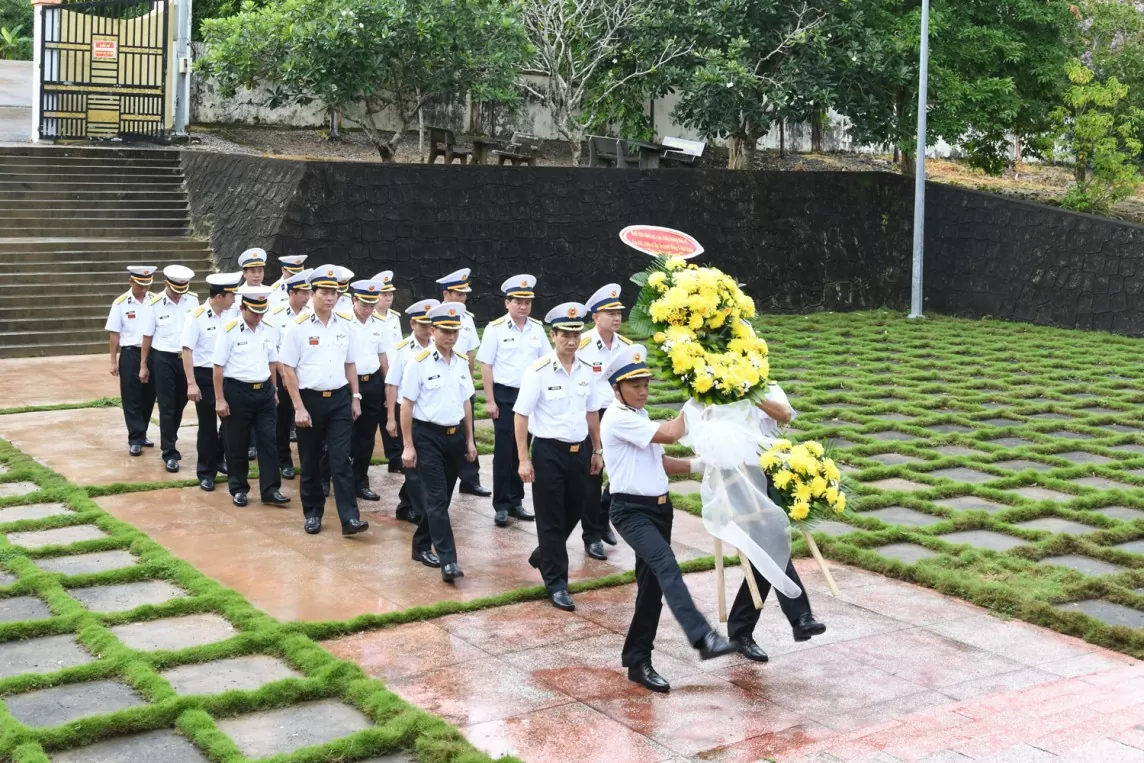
902, 674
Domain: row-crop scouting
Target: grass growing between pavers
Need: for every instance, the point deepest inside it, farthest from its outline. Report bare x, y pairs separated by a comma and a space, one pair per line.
103, 402
398, 725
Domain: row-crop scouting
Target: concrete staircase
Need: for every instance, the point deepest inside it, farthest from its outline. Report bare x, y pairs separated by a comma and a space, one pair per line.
71, 221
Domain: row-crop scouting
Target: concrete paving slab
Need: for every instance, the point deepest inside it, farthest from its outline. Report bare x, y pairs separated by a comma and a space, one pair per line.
897, 483
895, 459
1131, 449
1084, 457
125, 596
15, 608
907, 553
87, 564
959, 451
1064, 434
892, 416
1122, 429
1123, 513
12, 489
6, 578
1000, 421
56, 379
986, 539
948, 429
1057, 525
276, 732
173, 633
61, 536
159, 746
33, 511
1102, 483
1023, 465
70, 702
1011, 442
1132, 547
238, 674
972, 503
962, 474
832, 528
1052, 417
899, 515
1083, 564
46, 654
891, 435
1033, 493
1107, 611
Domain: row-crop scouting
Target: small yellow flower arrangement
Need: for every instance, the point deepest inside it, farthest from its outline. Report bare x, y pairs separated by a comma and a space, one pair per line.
805, 481
697, 318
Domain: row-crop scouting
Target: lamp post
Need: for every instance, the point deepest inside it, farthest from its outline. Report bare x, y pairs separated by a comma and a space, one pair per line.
920, 171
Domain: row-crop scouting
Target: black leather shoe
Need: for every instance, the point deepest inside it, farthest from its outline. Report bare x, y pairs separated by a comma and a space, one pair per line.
477, 489
313, 525
451, 572
251, 454
428, 558
404, 513
714, 645
147, 443
596, 551
276, 499
645, 675
354, 526
368, 495
221, 468
415, 518
752, 651
519, 513
135, 449
326, 490
608, 536
207, 484
239, 499
288, 473
561, 600
806, 627
395, 467
172, 465
501, 519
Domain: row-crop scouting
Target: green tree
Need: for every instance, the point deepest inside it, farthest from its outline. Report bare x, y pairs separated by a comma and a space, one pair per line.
1103, 139
1112, 38
390, 56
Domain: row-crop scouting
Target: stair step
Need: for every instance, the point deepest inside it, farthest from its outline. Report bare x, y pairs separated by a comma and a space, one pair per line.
88, 172
93, 152
82, 278
69, 213
94, 247
43, 350
8, 159
36, 220
97, 298
201, 266
47, 166
86, 336
10, 180
148, 231
177, 203
63, 319
114, 196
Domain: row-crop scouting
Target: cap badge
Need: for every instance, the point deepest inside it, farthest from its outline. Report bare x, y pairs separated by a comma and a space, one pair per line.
571, 312
452, 311
524, 283
372, 287
330, 273
613, 292
635, 357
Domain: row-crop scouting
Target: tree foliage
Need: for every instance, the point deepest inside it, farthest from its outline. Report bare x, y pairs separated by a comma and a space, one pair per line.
390, 56
1112, 37
1103, 138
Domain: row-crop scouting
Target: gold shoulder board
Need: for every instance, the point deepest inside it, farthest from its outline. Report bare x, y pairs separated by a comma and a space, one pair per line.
535, 321
302, 318
198, 311
404, 342
230, 325
499, 320
278, 309
423, 354
345, 316
155, 299
540, 363
587, 340
624, 339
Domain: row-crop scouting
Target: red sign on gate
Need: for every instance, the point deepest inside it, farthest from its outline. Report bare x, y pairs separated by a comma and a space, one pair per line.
105, 50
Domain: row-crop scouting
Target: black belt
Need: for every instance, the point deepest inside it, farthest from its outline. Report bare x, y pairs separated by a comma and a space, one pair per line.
642, 500
132, 347
450, 430
320, 392
366, 377
571, 447
249, 385
178, 354
505, 386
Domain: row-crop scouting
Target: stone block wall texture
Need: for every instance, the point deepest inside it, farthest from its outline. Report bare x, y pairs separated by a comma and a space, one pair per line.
800, 241
991, 256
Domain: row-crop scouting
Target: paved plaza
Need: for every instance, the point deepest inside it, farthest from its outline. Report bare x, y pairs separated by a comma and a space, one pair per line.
1017, 489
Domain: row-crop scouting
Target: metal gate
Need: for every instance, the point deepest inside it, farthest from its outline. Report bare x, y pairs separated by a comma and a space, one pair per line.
103, 70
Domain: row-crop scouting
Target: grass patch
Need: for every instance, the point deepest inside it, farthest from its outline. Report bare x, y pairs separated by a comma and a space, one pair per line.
398, 725
103, 402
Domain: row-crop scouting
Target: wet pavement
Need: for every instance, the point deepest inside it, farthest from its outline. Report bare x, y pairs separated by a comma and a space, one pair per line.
15, 101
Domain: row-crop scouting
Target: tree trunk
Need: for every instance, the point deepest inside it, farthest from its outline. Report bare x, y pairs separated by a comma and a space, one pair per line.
1080, 167
907, 163
817, 119
741, 152
782, 138
897, 154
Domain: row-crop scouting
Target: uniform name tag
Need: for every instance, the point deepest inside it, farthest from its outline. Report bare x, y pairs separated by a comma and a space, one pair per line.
315, 341
597, 368
131, 315
435, 377
508, 339
211, 328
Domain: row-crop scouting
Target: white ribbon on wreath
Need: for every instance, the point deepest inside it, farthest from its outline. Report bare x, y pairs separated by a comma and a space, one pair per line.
736, 508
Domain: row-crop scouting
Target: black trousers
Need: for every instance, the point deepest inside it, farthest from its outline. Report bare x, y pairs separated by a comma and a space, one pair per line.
561, 471
170, 381
594, 514
331, 430
471, 470
138, 398
440, 451
372, 389
508, 490
210, 444
411, 496
391, 446
250, 409
744, 617
645, 524
283, 425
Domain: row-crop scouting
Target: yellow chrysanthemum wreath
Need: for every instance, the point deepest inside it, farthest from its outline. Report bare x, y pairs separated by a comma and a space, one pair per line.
697, 318
805, 481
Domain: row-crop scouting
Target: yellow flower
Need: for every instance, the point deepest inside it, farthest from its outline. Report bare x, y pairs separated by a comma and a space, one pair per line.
660, 337
839, 504
799, 511
830, 470
814, 447
657, 280
769, 460
782, 478
675, 263
802, 491
818, 487
831, 495
703, 384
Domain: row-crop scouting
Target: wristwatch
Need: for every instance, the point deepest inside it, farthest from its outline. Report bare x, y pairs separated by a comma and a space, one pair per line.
357, 396
598, 452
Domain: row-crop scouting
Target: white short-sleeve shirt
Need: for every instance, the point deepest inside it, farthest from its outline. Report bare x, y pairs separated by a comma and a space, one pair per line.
165, 320
768, 426
200, 332
399, 356
633, 461
318, 352
372, 339
510, 350
598, 355
467, 340
128, 318
245, 354
437, 389
557, 401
